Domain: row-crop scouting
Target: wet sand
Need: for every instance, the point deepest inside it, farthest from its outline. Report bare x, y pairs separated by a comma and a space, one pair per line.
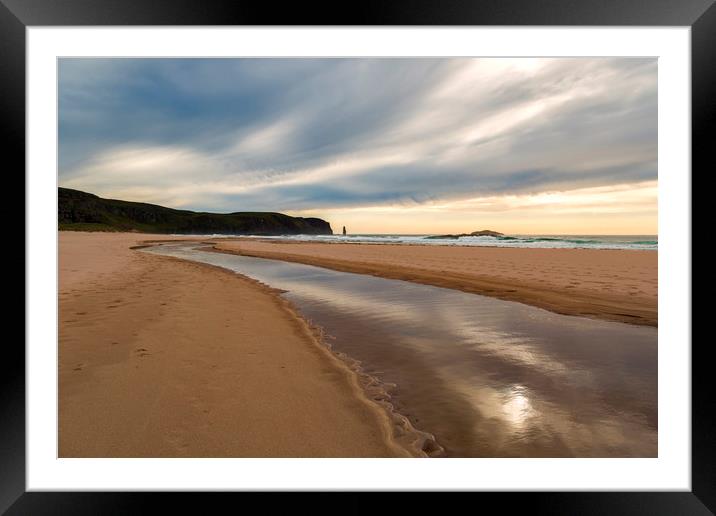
614, 285
486, 377
160, 357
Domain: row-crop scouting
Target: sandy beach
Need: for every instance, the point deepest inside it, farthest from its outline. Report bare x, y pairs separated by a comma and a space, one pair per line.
615, 285
160, 357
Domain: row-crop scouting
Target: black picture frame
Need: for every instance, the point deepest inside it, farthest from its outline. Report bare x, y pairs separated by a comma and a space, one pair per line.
17, 15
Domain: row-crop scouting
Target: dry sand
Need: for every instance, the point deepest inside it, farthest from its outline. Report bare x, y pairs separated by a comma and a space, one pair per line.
617, 285
164, 358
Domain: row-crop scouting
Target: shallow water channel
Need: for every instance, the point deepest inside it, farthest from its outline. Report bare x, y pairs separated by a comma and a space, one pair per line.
486, 377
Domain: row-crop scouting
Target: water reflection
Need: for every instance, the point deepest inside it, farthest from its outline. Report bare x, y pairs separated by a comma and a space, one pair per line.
516, 407
488, 378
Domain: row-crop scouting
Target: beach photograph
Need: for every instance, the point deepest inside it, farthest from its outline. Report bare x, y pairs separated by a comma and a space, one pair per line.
451, 257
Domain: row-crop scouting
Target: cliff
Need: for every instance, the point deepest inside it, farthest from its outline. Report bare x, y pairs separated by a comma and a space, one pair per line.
81, 211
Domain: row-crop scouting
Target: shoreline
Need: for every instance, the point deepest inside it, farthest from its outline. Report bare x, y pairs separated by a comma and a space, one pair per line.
367, 388
102, 387
605, 303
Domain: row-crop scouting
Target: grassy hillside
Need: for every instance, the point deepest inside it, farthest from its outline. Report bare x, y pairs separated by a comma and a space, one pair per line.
80, 211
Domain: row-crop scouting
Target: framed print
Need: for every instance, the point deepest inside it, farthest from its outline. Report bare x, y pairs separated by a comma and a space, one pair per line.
267, 251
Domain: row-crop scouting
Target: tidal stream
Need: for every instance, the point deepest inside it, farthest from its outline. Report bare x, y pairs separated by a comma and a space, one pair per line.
486, 377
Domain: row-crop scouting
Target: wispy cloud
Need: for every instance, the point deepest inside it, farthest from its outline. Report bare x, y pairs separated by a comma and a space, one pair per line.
332, 134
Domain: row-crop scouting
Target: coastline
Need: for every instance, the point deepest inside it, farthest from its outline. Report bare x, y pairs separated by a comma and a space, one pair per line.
612, 285
134, 383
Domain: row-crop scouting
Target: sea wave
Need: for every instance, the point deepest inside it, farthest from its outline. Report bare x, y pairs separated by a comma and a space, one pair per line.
635, 242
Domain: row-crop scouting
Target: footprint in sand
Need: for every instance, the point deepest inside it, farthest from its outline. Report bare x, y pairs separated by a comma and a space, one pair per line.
142, 352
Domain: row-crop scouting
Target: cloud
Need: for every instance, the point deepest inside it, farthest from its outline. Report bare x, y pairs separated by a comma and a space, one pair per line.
616, 209
301, 134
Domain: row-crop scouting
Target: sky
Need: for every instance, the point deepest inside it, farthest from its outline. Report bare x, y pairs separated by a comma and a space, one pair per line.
383, 145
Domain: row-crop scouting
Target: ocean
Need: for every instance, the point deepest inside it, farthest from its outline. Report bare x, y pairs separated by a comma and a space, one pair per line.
634, 242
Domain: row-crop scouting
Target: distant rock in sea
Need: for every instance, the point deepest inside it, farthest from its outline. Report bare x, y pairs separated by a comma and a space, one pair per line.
484, 232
